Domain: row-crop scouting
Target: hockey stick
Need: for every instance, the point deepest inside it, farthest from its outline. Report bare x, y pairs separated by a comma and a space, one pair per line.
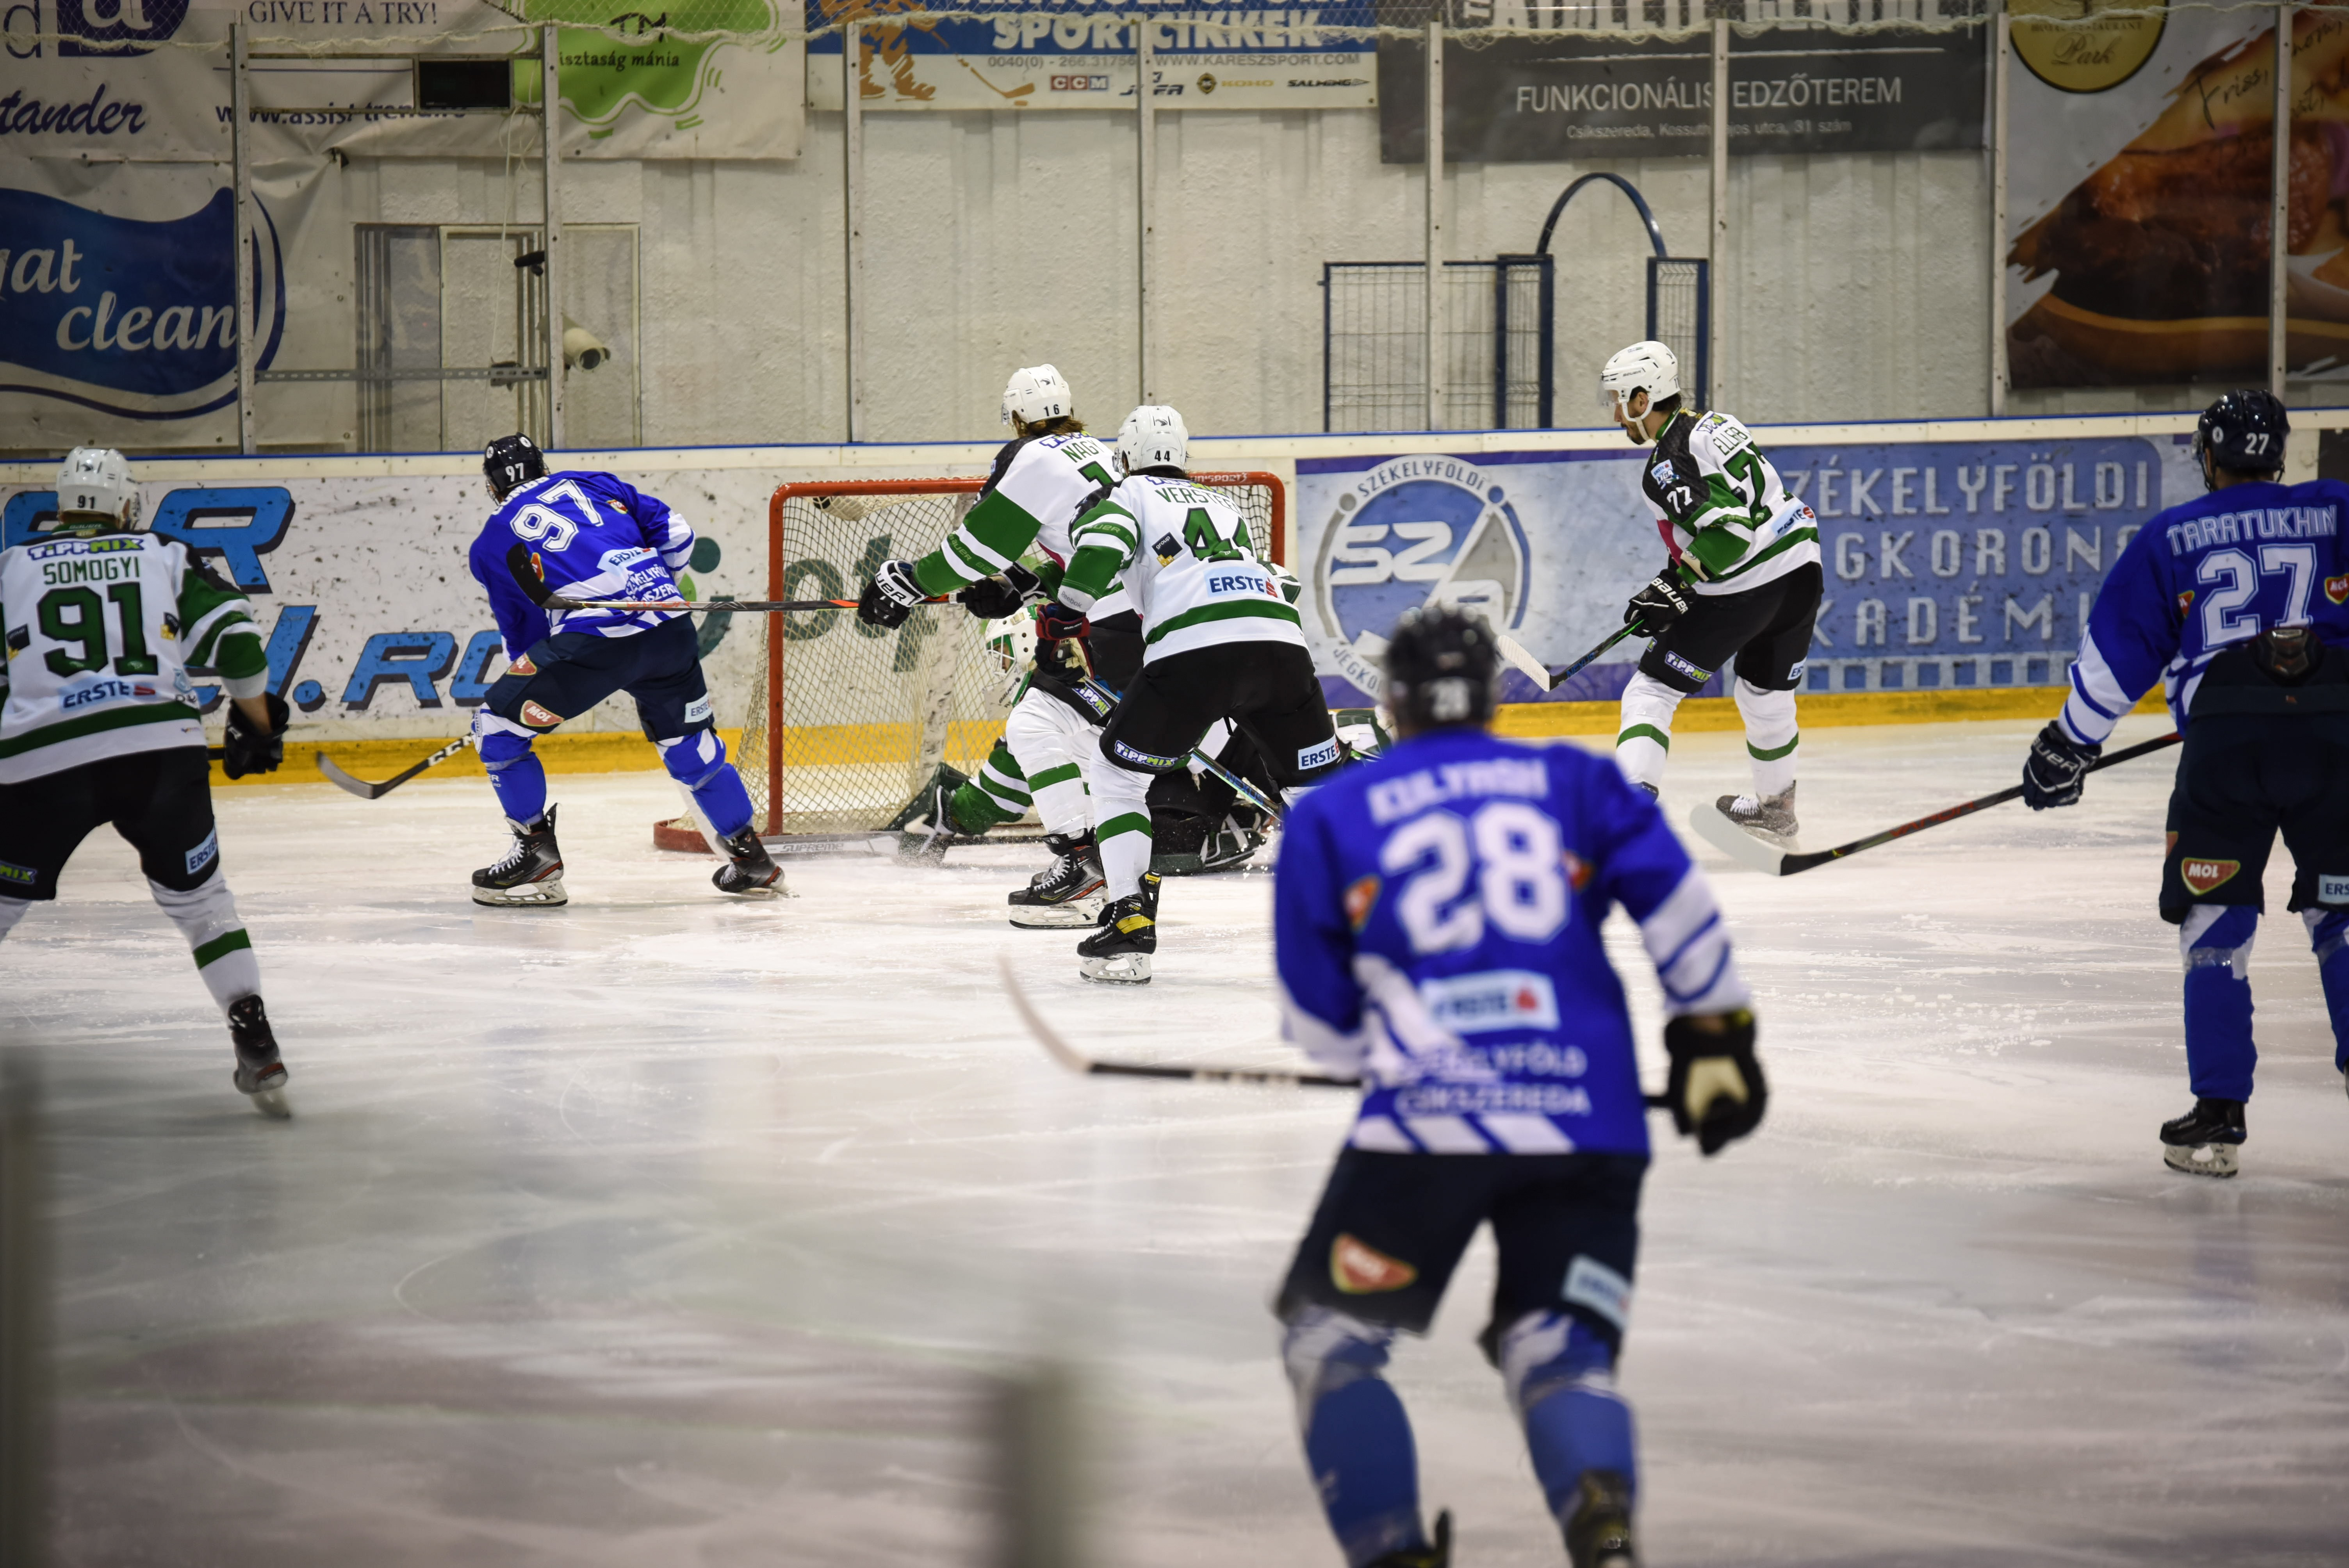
534, 587
366, 791
1724, 834
1076, 1061
1240, 787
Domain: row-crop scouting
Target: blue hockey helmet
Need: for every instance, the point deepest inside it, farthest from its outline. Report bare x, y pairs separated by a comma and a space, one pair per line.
510, 460
2242, 432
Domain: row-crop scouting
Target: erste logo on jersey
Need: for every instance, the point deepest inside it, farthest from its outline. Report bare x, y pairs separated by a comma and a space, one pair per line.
1414, 531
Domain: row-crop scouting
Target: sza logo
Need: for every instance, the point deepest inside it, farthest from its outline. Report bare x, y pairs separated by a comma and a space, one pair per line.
1415, 530
1081, 84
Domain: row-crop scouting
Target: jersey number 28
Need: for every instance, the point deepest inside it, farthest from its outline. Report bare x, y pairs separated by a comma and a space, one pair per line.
1511, 852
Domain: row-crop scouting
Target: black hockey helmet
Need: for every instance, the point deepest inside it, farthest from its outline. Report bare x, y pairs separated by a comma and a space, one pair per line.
1441, 665
510, 460
2243, 432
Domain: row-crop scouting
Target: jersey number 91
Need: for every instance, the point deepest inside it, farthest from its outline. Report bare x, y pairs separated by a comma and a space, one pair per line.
1502, 867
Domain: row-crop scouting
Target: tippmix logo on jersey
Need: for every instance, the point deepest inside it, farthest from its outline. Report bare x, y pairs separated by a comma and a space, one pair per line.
1415, 530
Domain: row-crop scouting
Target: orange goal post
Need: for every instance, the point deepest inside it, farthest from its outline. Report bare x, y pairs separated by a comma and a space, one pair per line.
842, 722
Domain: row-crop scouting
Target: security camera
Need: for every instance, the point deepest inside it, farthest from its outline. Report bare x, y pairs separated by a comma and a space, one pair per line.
582, 349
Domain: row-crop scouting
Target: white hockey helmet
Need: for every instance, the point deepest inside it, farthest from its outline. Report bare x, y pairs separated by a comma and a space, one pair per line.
1650, 367
1010, 648
1037, 393
1153, 436
95, 482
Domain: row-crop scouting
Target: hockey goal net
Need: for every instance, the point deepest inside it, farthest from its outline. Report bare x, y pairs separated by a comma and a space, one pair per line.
842, 722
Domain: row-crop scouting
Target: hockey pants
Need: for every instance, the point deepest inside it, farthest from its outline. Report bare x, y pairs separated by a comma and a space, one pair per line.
1645, 734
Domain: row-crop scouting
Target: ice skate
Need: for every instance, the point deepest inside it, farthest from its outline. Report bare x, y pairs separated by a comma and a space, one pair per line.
1067, 892
1119, 953
925, 822
1436, 1553
750, 871
531, 876
2203, 1142
1763, 816
1600, 1533
1229, 845
259, 1073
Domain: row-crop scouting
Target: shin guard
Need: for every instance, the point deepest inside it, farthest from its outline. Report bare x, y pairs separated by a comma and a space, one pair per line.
516, 776
206, 916
1644, 738
1121, 801
1358, 1441
2328, 933
1771, 736
1561, 1380
697, 760
2215, 940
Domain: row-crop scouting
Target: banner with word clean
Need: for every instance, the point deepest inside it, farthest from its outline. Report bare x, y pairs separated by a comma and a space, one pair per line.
1792, 89
1981, 553
1080, 54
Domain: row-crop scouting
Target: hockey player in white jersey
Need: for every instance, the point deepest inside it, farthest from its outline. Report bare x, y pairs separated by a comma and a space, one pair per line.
1043, 478
1220, 641
1743, 585
98, 724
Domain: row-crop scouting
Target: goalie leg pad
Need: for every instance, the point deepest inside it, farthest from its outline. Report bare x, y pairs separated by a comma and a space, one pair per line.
2216, 942
206, 915
1644, 736
1358, 1440
1560, 1374
516, 776
697, 759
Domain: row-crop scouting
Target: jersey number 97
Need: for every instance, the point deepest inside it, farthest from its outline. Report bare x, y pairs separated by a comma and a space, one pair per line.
1503, 868
547, 528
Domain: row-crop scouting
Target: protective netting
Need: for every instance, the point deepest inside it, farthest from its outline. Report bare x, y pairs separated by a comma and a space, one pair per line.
844, 722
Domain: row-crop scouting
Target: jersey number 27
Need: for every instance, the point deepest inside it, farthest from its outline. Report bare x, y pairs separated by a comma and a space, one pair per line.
1510, 849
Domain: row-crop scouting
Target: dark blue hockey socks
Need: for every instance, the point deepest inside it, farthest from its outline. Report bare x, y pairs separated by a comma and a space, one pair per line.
516, 776
2328, 933
1358, 1442
1560, 1378
2216, 941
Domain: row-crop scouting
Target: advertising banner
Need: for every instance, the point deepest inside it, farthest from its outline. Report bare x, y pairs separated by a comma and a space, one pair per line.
1546, 97
2139, 182
1976, 551
1080, 54
373, 621
148, 79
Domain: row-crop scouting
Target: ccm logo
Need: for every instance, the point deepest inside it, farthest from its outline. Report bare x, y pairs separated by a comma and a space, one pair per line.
1081, 84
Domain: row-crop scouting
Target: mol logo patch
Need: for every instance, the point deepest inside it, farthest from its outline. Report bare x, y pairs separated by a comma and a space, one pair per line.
2337, 589
539, 717
2200, 875
1360, 1269
2185, 601
1361, 897
1410, 531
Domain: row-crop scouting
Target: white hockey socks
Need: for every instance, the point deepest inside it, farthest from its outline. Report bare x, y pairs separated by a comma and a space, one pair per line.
12, 909
1049, 741
1644, 737
1771, 737
206, 916
1123, 835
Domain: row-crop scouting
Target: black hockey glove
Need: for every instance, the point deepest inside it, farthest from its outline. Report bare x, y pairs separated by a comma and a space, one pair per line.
1659, 604
1059, 621
244, 749
891, 596
1715, 1089
2050, 773
991, 599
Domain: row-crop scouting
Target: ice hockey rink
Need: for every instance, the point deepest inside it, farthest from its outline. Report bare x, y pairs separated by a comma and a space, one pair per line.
667, 1229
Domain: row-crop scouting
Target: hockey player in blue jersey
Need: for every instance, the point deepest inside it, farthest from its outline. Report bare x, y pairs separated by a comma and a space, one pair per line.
2237, 603
1436, 915
590, 536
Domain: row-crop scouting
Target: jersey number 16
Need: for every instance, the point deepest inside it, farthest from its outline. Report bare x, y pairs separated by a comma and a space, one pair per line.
1514, 854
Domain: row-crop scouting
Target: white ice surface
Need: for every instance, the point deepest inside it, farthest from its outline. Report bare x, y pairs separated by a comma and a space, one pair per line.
664, 1229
